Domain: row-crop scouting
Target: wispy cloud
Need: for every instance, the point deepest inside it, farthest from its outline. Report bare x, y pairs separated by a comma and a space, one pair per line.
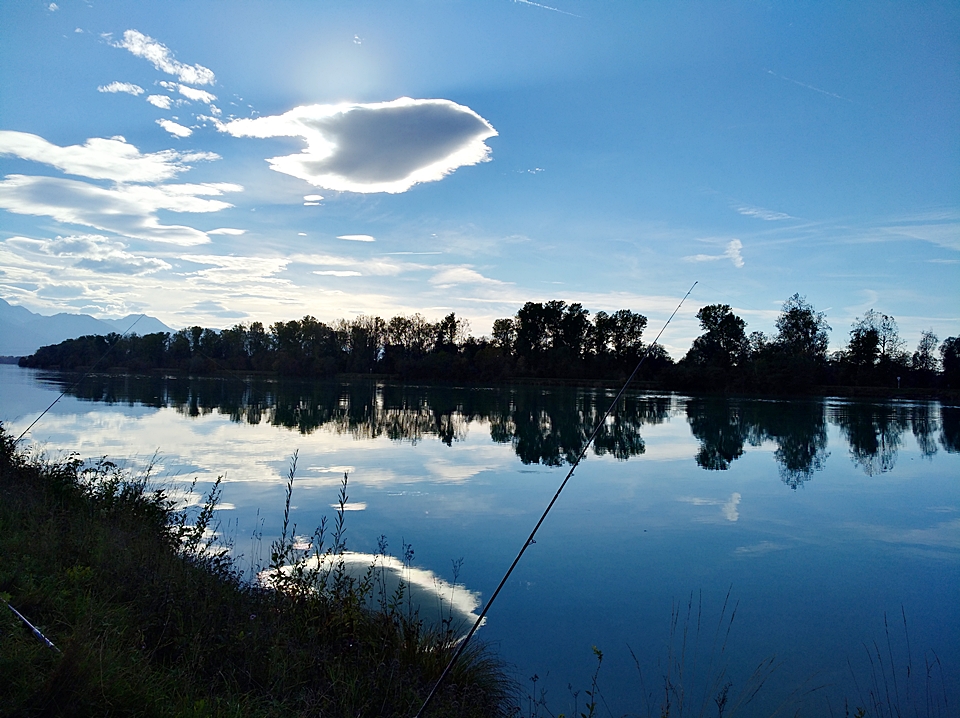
943, 230
356, 237
226, 270
127, 87
809, 87
451, 276
93, 252
160, 56
732, 253
126, 210
99, 158
378, 147
761, 213
337, 273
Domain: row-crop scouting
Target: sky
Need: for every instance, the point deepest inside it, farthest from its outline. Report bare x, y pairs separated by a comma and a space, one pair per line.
215, 163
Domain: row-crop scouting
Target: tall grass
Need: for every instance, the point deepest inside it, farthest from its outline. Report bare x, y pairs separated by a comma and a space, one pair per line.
154, 618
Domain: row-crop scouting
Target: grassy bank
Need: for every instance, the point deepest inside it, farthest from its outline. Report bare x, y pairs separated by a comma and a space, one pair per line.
148, 619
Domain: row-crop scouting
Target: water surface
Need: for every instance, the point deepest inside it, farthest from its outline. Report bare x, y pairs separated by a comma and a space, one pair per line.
818, 517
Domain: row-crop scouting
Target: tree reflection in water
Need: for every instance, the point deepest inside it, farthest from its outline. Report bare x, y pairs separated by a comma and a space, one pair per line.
874, 432
799, 428
547, 426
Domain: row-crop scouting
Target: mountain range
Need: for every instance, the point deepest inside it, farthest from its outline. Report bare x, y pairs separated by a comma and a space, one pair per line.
22, 332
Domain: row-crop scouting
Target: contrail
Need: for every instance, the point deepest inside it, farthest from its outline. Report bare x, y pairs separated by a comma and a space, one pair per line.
546, 7
802, 84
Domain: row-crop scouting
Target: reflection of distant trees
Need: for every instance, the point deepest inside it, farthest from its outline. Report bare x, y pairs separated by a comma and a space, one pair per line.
547, 426
874, 432
718, 424
799, 429
923, 422
950, 428
552, 426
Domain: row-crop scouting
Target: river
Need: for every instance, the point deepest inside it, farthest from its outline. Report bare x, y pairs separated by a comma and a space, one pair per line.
821, 519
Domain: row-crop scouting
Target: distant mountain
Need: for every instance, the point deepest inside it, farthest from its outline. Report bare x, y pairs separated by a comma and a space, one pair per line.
22, 332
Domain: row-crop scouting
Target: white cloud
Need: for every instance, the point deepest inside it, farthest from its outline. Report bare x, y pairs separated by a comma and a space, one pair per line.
161, 101
127, 87
337, 273
228, 231
732, 253
160, 57
376, 267
312, 198
379, 147
762, 213
174, 128
357, 237
192, 93
126, 210
449, 276
942, 231
93, 252
98, 158
226, 270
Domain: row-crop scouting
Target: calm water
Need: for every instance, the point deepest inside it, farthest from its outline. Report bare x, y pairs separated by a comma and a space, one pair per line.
819, 517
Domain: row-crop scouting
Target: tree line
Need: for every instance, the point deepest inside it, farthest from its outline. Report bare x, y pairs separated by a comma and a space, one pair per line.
548, 340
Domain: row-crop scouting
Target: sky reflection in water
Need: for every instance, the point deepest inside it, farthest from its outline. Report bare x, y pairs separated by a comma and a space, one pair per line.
821, 515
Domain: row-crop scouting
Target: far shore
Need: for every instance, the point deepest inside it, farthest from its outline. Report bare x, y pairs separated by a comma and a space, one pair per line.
865, 392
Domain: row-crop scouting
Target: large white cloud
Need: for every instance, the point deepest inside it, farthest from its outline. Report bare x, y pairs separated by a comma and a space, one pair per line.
379, 147
99, 158
126, 210
160, 56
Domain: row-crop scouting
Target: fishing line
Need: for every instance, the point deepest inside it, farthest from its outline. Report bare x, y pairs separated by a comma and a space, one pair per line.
77, 383
530, 538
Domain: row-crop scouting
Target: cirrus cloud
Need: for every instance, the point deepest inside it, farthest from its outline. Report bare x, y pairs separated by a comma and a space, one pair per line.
160, 56
377, 147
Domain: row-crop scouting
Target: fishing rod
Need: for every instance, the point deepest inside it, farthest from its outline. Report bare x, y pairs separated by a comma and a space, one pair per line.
77, 382
530, 538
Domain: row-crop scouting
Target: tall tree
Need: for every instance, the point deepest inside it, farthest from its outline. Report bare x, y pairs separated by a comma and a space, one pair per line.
724, 341
925, 358
801, 330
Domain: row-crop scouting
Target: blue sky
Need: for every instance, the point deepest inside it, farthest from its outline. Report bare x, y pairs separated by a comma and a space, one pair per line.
212, 163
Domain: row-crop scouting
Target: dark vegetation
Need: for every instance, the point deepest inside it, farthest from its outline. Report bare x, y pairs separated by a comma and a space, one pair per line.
543, 341
151, 618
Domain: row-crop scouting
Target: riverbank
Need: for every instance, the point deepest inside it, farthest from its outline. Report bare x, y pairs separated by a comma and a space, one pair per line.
148, 617
654, 386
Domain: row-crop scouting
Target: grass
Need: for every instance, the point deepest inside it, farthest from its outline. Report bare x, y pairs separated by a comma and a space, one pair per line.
150, 617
